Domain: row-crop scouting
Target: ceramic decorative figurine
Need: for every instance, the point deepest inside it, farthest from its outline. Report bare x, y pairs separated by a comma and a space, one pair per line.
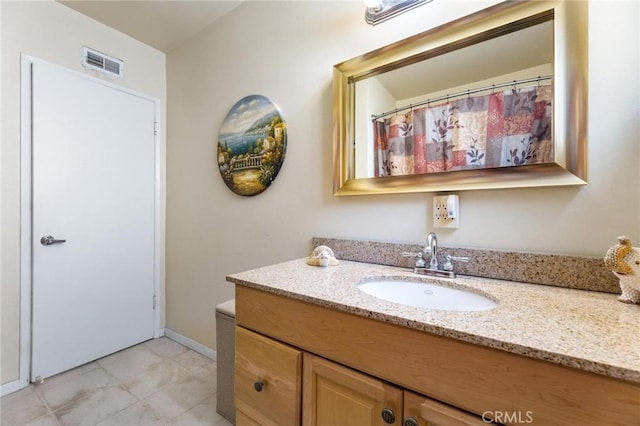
322, 256
624, 261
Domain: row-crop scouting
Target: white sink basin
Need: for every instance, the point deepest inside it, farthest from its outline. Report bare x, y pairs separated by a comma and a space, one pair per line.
426, 295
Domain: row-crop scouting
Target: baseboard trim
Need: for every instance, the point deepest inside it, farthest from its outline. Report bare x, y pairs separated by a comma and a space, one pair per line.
191, 344
10, 387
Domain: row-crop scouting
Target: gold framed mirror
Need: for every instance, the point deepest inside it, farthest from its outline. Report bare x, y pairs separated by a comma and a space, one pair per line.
547, 39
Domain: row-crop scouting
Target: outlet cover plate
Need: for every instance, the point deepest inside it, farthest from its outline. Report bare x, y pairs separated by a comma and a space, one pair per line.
446, 211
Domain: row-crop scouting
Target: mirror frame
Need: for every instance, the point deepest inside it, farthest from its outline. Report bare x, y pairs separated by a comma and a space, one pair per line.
569, 110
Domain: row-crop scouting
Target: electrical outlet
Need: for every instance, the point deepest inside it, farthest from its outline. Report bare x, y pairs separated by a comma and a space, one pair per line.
446, 211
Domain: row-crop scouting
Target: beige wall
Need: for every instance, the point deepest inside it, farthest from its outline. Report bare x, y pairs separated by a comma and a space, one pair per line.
54, 33
286, 51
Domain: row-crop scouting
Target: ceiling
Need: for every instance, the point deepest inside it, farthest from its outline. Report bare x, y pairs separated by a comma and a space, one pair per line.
520, 50
161, 24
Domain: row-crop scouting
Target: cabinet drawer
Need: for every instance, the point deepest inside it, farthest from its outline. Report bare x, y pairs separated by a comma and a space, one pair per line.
268, 377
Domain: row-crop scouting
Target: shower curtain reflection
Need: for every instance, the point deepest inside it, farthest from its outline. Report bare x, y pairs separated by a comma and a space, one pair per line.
502, 129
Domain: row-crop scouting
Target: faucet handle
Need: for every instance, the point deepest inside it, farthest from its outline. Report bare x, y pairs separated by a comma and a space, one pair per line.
420, 263
448, 265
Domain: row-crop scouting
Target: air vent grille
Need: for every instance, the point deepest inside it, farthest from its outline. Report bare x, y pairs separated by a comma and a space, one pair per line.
99, 61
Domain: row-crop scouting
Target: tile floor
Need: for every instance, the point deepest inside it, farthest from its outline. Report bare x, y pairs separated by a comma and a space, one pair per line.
159, 382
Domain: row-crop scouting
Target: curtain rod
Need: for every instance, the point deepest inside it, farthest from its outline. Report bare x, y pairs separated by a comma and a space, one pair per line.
463, 93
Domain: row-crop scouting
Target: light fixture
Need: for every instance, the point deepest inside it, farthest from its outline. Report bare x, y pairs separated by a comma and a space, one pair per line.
381, 10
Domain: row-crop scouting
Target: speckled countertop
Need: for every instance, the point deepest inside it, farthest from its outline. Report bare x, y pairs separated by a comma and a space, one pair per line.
587, 330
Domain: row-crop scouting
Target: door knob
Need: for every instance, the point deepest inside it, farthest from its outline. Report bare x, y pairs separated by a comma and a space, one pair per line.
47, 240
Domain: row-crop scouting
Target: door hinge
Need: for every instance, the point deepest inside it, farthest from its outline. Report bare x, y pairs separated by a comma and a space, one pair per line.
155, 302
155, 128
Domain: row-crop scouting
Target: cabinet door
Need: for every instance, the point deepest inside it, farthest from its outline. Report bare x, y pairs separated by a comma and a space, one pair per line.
336, 395
422, 411
268, 378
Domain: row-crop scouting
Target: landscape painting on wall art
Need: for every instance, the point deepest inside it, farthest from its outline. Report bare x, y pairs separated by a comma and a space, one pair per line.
251, 145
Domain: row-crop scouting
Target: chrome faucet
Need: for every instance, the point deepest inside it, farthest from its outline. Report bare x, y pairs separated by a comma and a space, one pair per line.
431, 249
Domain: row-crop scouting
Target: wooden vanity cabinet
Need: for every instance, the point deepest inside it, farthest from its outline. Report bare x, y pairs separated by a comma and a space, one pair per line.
353, 364
332, 394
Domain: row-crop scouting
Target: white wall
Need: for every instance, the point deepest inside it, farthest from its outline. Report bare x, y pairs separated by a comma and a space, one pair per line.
286, 51
55, 33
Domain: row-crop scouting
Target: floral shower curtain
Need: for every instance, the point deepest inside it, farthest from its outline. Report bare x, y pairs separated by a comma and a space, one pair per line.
509, 128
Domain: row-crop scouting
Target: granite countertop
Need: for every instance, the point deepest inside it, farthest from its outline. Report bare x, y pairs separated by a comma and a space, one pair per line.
587, 330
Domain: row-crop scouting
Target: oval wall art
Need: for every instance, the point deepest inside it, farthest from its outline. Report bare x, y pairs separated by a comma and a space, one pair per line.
251, 145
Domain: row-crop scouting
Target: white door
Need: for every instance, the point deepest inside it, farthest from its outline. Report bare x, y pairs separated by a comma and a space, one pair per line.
93, 187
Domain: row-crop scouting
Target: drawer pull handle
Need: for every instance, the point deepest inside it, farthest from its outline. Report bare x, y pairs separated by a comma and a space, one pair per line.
388, 416
410, 421
258, 386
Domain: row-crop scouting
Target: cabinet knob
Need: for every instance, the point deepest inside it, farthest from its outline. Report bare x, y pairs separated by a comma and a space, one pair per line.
258, 385
388, 416
410, 421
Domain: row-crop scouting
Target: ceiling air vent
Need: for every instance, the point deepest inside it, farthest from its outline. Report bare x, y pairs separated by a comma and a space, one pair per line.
109, 65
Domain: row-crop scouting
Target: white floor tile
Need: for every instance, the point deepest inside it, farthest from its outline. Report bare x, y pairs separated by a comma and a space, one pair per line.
139, 414
130, 362
203, 414
193, 361
179, 398
156, 383
48, 420
21, 407
98, 406
166, 348
156, 377
74, 385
